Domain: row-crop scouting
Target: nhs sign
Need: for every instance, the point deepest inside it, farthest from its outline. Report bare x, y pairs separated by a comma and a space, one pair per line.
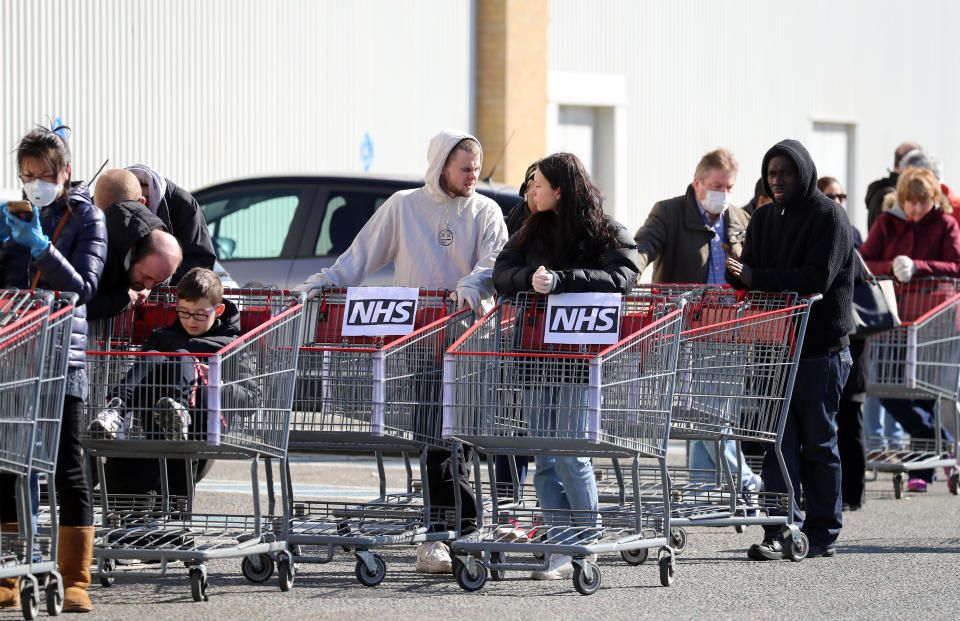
379, 311
583, 318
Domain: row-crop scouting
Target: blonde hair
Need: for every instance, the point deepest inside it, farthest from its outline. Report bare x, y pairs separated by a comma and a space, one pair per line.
718, 158
918, 185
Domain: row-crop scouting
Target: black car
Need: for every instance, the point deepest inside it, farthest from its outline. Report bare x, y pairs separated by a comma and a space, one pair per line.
278, 230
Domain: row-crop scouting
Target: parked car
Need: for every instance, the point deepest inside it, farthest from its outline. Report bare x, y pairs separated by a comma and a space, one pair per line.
278, 230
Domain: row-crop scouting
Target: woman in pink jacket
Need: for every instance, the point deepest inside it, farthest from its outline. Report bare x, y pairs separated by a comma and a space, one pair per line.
915, 238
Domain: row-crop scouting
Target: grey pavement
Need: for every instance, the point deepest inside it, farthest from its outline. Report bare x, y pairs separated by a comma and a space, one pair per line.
897, 559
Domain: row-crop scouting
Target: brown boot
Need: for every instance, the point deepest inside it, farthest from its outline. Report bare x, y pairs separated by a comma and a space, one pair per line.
74, 557
9, 587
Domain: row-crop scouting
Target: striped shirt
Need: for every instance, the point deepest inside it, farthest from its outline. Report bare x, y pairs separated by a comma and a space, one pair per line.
717, 261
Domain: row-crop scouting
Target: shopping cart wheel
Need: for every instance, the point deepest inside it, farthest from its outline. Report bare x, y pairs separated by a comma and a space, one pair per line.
797, 547
581, 583
198, 584
29, 599
467, 581
257, 568
496, 574
667, 570
54, 593
107, 567
953, 483
678, 539
368, 578
898, 485
285, 573
635, 557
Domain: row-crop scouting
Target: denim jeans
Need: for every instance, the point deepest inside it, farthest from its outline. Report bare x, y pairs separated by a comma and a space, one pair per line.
810, 448
877, 423
702, 457
917, 418
563, 484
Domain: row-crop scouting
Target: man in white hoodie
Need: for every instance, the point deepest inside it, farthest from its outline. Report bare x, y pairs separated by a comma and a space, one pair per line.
440, 236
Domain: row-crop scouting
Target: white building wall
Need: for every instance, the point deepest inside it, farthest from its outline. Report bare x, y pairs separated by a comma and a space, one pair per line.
208, 90
746, 73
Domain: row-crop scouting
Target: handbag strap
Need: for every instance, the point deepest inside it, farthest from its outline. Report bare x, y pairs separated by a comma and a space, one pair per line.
53, 239
863, 264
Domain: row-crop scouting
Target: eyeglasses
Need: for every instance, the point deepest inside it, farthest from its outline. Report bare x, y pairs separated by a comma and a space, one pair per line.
837, 197
182, 314
48, 177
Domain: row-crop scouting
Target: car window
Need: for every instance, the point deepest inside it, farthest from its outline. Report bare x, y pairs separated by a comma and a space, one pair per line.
345, 215
251, 225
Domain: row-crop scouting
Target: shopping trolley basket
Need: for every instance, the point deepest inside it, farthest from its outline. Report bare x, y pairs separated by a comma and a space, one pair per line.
35, 329
232, 403
372, 393
920, 361
507, 391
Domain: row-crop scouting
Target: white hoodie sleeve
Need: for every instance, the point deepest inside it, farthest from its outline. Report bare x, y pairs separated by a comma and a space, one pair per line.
373, 248
492, 240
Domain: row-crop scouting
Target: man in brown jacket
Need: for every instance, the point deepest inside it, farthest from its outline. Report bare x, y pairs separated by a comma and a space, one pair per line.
687, 237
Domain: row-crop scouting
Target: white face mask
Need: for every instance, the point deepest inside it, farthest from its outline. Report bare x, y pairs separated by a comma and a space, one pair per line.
41, 193
715, 202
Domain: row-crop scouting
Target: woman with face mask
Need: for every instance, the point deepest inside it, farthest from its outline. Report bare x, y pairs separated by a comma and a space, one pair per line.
915, 238
60, 245
567, 245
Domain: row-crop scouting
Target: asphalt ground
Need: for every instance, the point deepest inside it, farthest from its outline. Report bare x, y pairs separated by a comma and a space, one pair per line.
898, 559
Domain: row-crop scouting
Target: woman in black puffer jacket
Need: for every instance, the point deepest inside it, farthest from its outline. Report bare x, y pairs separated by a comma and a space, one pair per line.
72, 262
568, 245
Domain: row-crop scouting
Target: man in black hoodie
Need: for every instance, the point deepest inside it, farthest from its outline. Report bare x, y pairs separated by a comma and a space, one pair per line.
802, 243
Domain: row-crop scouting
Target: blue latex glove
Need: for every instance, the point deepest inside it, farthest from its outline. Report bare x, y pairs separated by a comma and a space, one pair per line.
4, 229
28, 234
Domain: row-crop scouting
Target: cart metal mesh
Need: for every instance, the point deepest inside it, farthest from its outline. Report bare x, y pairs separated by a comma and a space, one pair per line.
921, 358
505, 389
372, 392
240, 404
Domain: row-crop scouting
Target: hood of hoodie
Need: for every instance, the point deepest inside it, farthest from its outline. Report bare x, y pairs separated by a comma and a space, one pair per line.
437, 152
806, 170
127, 223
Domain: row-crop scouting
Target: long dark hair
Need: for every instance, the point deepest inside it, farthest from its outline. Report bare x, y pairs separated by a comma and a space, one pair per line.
50, 148
578, 216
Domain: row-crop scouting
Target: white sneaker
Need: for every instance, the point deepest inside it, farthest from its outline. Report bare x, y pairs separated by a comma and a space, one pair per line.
508, 533
560, 568
109, 423
172, 418
433, 557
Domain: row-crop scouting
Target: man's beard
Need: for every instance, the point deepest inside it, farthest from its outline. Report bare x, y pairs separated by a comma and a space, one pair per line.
457, 192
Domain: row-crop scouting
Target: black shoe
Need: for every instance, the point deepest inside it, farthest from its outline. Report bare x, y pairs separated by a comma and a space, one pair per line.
847, 507
825, 551
771, 549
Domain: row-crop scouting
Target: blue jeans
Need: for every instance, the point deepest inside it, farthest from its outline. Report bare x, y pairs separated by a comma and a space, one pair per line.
702, 457
877, 423
810, 448
918, 420
563, 484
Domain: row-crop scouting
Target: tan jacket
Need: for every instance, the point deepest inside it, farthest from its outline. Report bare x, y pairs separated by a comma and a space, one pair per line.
677, 240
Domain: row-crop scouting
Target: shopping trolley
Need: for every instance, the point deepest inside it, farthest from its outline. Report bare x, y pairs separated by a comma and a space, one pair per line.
372, 393
502, 382
737, 363
35, 328
920, 360
239, 400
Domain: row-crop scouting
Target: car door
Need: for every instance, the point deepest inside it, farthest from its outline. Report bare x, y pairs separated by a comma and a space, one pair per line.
257, 227
342, 208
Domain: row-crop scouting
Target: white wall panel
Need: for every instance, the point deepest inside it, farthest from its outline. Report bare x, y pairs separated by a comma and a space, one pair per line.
747, 73
208, 90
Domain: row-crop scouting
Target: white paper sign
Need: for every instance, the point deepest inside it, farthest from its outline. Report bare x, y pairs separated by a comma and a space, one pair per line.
583, 318
379, 311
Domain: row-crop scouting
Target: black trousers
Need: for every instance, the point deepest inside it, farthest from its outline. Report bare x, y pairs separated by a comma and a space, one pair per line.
440, 471
73, 493
853, 452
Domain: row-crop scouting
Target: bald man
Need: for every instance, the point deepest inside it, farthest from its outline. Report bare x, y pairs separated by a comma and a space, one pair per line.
140, 256
117, 185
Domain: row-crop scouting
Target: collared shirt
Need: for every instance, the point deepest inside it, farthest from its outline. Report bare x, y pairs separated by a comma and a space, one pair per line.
717, 260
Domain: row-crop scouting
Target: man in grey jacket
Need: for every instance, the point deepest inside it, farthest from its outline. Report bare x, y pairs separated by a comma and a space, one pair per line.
440, 236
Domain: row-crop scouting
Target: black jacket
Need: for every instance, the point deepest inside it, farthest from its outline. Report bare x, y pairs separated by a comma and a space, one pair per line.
804, 246
182, 216
518, 214
174, 338
874, 198
615, 270
127, 223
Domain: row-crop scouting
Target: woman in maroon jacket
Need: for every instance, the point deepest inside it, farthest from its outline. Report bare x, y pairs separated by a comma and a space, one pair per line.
915, 238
